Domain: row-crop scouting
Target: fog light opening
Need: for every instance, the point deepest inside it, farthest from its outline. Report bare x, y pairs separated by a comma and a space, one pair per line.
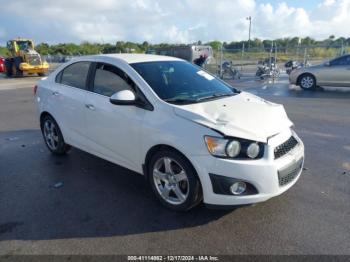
238, 188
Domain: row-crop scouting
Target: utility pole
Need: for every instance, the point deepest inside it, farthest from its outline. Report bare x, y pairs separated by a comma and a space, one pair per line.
298, 46
270, 56
221, 58
275, 54
250, 27
242, 56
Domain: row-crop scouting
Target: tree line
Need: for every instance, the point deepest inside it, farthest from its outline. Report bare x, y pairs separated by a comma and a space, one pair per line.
86, 48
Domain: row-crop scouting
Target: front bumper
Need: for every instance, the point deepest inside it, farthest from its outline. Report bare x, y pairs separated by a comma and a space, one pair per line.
263, 174
34, 69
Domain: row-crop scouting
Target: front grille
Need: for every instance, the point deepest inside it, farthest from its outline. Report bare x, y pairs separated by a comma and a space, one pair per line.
34, 60
287, 175
285, 147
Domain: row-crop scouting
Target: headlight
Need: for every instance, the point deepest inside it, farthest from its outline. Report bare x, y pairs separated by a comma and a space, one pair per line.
233, 148
236, 148
253, 150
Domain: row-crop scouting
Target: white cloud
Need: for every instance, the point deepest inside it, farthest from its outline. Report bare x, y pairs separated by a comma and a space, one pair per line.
282, 21
169, 21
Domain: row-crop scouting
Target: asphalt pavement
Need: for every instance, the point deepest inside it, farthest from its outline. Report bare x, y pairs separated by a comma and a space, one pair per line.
80, 204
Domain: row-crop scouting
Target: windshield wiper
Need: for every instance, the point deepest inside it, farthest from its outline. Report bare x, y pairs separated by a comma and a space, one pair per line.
201, 99
214, 96
180, 101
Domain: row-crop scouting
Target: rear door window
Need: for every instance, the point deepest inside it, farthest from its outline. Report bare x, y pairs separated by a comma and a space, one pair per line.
75, 75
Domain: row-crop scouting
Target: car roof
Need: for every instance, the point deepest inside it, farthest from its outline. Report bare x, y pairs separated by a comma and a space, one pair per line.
139, 58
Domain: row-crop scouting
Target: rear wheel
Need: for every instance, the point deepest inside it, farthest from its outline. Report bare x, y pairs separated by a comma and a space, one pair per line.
174, 181
53, 136
307, 82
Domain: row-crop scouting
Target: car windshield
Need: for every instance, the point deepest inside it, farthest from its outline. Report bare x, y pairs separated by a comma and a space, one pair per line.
180, 82
23, 45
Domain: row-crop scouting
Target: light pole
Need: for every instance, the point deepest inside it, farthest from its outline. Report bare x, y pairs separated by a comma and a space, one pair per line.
250, 27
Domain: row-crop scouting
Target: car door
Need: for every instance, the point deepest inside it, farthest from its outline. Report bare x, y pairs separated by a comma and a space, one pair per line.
68, 97
345, 71
113, 130
337, 73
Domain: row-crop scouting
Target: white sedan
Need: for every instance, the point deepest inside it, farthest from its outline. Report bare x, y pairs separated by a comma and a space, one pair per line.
194, 137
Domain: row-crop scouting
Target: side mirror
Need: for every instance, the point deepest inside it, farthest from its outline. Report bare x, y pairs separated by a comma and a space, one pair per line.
124, 97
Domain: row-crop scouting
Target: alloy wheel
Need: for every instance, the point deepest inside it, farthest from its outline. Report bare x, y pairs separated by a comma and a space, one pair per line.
171, 181
307, 82
51, 134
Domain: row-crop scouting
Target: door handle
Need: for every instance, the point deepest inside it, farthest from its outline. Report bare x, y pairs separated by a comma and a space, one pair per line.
55, 93
89, 106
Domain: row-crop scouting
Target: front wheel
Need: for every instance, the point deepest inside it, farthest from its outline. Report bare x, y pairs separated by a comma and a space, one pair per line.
174, 181
307, 82
258, 73
53, 136
276, 73
8, 67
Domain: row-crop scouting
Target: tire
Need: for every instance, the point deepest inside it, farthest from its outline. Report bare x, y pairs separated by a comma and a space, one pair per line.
276, 73
258, 73
227, 74
307, 82
8, 66
17, 70
179, 181
41, 74
53, 136
19, 73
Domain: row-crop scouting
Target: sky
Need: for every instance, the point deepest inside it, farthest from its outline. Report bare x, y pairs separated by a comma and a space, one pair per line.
177, 21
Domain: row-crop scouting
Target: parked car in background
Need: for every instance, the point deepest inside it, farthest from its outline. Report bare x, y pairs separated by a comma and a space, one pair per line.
336, 72
2, 64
193, 136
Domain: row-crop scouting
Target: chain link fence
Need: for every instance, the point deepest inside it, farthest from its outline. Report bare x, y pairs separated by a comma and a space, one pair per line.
247, 61
58, 58
55, 60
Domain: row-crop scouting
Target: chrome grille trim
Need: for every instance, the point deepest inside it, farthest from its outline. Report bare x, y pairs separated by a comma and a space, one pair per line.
285, 147
288, 174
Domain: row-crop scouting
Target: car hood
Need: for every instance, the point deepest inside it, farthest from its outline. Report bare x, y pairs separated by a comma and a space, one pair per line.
312, 69
243, 115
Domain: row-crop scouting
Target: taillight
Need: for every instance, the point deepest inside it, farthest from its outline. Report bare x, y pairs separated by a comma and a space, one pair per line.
35, 89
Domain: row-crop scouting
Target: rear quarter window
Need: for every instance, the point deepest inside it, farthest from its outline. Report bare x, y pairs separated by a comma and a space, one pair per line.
74, 75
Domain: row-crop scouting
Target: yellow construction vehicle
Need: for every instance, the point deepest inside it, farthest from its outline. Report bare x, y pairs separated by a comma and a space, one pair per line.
24, 59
